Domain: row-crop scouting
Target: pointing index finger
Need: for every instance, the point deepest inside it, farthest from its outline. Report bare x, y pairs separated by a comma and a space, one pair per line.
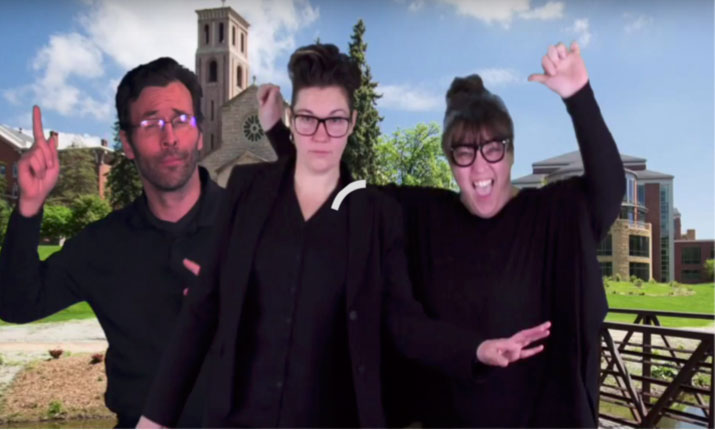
37, 131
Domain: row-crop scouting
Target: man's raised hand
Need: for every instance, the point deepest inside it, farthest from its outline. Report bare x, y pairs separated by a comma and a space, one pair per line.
38, 169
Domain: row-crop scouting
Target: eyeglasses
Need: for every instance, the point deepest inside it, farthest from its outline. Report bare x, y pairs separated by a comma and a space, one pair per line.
179, 123
464, 154
307, 125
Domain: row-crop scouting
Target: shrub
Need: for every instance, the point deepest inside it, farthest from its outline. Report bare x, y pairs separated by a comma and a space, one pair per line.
617, 277
638, 283
97, 358
709, 269
55, 353
55, 409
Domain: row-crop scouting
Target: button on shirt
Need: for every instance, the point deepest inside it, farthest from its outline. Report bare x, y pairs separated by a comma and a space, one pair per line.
293, 367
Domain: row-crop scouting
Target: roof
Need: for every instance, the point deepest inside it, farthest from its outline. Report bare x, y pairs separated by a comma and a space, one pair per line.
23, 140
571, 164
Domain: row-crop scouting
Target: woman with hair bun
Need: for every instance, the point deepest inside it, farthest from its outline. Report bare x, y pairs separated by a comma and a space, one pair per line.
494, 258
298, 299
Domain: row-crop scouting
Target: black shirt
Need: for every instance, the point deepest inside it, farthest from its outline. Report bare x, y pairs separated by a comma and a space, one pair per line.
293, 367
128, 267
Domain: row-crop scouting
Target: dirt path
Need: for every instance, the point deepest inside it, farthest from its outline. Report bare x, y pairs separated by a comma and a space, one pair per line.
20, 344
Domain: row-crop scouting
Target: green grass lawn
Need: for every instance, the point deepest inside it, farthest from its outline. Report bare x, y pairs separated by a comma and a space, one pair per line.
699, 299
74, 312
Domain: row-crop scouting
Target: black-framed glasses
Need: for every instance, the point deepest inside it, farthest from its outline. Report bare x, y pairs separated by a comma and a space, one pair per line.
464, 154
307, 125
152, 126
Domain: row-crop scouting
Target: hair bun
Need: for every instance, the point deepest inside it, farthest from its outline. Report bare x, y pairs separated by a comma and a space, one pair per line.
468, 86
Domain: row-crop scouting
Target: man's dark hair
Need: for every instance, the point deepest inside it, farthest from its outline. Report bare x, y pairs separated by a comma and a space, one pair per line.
158, 73
323, 65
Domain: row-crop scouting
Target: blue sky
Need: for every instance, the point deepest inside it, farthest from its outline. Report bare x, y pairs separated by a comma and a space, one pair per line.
650, 63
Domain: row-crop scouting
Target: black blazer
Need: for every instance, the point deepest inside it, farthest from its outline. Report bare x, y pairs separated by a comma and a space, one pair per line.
378, 302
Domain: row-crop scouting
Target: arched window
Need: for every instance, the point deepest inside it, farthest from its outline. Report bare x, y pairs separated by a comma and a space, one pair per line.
220, 33
233, 35
239, 77
206, 34
213, 71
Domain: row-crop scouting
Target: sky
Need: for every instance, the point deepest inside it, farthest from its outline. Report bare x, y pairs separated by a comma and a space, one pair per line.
650, 63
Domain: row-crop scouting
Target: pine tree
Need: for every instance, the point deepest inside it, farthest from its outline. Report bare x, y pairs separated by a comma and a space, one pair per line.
123, 180
360, 151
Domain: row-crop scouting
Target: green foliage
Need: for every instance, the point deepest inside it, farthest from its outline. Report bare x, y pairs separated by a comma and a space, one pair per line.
617, 277
85, 210
638, 283
78, 176
55, 222
359, 153
55, 410
413, 157
696, 298
709, 268
123, 182
5, 211
3, 185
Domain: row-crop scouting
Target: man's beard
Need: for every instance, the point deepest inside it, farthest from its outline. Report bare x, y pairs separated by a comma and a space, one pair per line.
165, 178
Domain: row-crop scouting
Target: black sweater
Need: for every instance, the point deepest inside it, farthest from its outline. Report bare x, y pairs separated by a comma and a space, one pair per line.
128, 267
534, 261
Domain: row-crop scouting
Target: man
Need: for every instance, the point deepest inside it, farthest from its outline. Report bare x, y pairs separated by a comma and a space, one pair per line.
133, 266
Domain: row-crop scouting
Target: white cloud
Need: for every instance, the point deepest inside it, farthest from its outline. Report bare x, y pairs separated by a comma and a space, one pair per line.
70, 69
66, 59
551, 10
638, 23
504, 11
499, 77
406, 98
582, 30
416, 5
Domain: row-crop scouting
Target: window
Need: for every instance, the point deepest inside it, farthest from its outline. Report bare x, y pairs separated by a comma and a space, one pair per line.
3, 169
213, 71
243, 43
206, 34
220, 32
212, 110
629, 196
641, 195
638, 246
640, 270
14, 170
233, 36
239, 77
691, 255
606, 268
692, 275
15, 189
606, 246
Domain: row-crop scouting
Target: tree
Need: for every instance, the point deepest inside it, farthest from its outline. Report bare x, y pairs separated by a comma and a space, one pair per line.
78, 176
359, 154
85, 210
414, 157
5, 211
55, 222
123, 180
709, 268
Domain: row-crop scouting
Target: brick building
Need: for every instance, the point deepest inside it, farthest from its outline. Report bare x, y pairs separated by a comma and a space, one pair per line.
15, 141
640, 242
691, 254
232, 133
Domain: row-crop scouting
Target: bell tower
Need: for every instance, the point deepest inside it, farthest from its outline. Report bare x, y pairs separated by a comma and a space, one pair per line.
221, 65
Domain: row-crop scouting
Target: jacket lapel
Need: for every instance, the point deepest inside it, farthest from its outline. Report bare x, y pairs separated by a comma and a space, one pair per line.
251, 215
360, 232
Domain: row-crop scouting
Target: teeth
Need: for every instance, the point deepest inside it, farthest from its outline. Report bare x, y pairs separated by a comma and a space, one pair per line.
483, 183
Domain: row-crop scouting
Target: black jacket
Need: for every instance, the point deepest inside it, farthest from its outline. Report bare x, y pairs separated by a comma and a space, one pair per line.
378, 296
